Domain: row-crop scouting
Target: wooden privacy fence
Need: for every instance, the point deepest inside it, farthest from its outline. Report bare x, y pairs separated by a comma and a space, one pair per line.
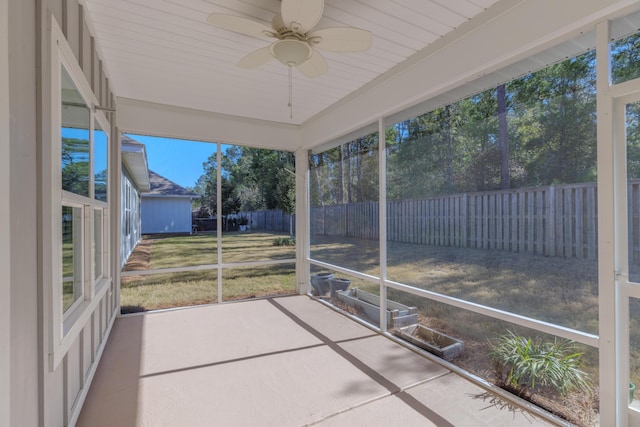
557, 220
269, 220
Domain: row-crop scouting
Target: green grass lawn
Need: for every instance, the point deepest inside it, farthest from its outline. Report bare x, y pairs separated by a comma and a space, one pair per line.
149, 292
201, 249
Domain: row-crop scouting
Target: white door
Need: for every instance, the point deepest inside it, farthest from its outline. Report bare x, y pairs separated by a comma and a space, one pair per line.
626, 116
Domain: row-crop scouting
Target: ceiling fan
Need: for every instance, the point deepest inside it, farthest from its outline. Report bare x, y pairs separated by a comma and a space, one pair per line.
295, 39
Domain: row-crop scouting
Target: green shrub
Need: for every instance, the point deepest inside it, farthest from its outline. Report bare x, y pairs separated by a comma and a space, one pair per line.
284, 241
532, 363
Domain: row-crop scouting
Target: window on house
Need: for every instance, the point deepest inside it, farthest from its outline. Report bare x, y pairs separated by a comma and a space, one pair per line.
98, 243
71, 256
100, 174
76, 194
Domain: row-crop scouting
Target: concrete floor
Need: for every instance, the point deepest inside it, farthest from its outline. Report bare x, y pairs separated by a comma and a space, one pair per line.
278, 362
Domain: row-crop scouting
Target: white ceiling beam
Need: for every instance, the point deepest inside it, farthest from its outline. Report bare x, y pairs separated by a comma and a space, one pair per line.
147, 118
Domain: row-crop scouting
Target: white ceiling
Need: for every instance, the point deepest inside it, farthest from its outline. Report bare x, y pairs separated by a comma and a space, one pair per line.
163, 51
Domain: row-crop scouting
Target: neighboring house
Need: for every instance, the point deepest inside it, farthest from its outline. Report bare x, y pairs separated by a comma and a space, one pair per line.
166, 208
135, 180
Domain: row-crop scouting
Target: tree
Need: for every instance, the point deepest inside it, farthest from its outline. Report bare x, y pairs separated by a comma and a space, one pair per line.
625, 58
503, 136
286, 192
75, 165
206, 188
251, 179
554, 116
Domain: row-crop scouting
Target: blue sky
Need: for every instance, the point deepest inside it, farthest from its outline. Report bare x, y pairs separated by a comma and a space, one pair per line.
176, 159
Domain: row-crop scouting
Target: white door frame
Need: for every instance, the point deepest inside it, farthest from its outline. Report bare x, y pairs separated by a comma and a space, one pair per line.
5, 224
621, 95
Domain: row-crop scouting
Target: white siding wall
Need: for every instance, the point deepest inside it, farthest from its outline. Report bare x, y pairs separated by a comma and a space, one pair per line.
166, 215
5, 224
57, 398
21, 225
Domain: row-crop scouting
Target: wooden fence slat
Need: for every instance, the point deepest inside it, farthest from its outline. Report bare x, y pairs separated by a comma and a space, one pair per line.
568, 219
530, 222
550, 222
592, 226
473, 242
558, 221
521, 222
539, 246
578, 221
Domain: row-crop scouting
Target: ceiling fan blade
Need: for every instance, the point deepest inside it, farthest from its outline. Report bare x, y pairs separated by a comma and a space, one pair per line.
256, 58
301, 15
241, 25
340, 39
315, 66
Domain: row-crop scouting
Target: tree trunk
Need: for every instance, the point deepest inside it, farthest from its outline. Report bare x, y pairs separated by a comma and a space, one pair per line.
291, 225
347, 159
340, 195
503, 137
319, 185
359, 151
449, 149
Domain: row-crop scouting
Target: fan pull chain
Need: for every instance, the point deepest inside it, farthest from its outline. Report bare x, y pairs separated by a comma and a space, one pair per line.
290, 91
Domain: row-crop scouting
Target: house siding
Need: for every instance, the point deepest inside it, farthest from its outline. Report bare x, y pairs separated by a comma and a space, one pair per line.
38, 394
21, 234
166, 215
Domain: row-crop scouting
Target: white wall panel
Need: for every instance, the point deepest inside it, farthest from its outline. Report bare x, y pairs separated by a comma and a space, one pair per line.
73, 26
95, 78
5, 225
87, 53
166, 215
73, 375
87, 351
95, 325
104, 313
55, 7
54, 411
22, 179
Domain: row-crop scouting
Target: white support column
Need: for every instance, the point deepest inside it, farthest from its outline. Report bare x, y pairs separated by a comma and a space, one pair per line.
609, 416
382, 232
115, 208
302, 222
5, 223
219, 216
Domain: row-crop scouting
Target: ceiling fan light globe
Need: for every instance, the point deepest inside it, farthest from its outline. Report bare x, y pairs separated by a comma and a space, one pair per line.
291, 52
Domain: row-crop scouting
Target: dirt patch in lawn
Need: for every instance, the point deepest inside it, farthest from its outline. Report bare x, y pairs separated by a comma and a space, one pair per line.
140, 258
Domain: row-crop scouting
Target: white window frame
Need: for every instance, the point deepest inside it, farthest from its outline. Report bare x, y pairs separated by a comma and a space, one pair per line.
63, 327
